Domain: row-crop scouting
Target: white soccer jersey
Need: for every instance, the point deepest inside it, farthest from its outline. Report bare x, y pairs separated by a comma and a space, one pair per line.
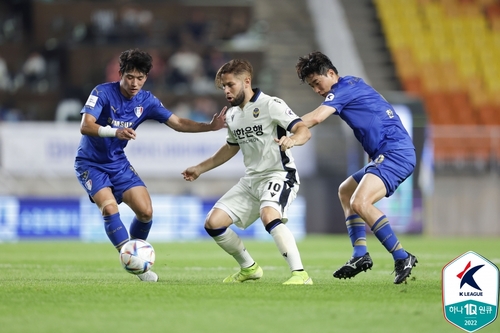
254, 129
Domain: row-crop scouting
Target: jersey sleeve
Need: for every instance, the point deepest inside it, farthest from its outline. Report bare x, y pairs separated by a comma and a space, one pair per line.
282, 114
230, 138
158, 111
339, 98
95, 103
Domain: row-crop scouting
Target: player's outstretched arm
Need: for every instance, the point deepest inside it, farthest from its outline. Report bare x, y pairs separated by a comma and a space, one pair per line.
88, 126
191, 173
318, 115
301, 135
187, 125
219, 119
224, 154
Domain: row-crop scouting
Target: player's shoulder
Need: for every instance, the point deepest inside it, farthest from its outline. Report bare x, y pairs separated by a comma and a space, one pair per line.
107, 89
278, 107
146, 96
350, 81
108, 86
272, 101
277, 100
147, 99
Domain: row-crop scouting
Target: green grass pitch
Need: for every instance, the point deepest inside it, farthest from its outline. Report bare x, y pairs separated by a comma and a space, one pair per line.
81, 287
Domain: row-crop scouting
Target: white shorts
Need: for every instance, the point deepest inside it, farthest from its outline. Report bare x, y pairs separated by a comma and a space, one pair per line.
244, 200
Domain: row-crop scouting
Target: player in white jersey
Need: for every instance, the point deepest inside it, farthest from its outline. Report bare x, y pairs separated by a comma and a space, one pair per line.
258, 125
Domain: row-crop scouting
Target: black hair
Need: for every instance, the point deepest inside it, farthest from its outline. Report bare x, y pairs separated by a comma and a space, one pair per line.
313, 63
135, 59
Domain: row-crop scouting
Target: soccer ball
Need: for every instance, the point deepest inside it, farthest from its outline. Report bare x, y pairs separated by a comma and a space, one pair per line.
137, 256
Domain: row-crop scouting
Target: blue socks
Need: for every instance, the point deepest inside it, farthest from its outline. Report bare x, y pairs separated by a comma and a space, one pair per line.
118, 234
386, 236
140, 229
116, 231
357, 234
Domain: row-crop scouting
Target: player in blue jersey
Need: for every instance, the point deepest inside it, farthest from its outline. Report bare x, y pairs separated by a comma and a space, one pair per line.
110, 117
258, 125
392, 159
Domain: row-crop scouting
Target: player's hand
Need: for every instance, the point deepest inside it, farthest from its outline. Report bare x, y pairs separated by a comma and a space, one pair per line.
285, 142
219, 120
190, 174
125, 134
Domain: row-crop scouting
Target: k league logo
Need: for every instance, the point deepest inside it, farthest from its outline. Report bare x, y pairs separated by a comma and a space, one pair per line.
467, 277
470, 291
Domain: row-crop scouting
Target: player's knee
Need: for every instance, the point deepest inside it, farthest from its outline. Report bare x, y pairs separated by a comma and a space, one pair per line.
344, 196
145, 215
109, 207
210, 223
358, 205
270, 211
217, 219
344, 190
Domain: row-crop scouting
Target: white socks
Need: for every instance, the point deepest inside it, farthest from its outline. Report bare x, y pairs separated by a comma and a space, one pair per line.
230, 242
287, 246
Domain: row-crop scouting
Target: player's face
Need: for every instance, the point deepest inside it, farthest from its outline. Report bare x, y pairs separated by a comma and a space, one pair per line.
321, 84
131, 83
234, 89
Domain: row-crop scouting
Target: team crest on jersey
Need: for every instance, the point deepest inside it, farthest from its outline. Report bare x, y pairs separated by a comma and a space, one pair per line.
88, 184
329, 97
390, 113
256, 112
138, 111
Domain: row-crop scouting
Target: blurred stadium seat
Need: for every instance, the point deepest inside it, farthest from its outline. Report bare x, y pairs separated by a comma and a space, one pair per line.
446, 52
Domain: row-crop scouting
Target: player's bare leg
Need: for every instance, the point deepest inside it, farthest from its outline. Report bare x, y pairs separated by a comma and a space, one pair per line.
217, 225
360, 260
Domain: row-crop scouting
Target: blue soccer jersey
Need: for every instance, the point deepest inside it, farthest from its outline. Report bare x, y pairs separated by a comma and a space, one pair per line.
107, 104
375, 123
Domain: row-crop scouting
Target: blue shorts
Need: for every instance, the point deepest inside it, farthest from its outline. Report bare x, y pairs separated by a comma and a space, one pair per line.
94, 178
393, 167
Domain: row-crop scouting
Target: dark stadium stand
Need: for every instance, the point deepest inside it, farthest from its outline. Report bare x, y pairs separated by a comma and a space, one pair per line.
78, 39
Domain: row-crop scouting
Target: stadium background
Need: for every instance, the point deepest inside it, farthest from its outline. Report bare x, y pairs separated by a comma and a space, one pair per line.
436, 60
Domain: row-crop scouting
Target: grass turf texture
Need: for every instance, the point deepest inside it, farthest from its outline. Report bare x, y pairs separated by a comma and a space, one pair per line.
79, 287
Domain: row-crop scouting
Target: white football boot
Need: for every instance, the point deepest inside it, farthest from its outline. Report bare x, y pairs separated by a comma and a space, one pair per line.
149, 276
